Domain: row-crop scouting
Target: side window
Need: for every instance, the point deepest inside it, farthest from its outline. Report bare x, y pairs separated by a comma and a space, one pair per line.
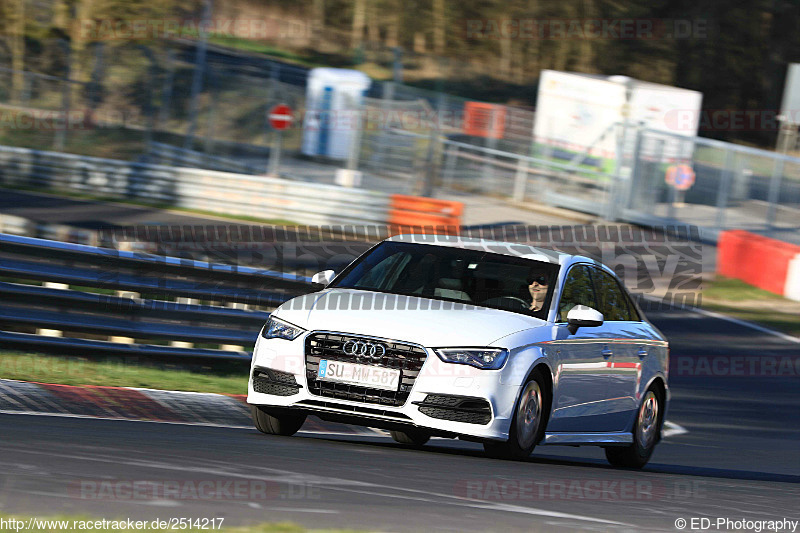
612, 301
578, 290
632, 308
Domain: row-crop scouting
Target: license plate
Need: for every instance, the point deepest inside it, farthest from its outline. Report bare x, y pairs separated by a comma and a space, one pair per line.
373, 377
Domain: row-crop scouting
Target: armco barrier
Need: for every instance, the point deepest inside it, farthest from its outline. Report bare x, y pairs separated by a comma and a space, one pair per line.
207, 190
178, 301
220, 192
419, 212
765, 263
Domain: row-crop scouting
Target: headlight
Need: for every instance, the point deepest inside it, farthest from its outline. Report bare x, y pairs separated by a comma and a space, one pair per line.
485, 358
276, 328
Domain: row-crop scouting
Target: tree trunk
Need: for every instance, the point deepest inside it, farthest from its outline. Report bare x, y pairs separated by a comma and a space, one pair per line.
373, 24
17, 34
505, 56
439, 26
393, 31
359, 16
317, 23
83, 11
586, 60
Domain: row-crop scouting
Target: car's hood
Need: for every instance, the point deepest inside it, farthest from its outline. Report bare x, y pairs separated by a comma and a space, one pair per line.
428, 322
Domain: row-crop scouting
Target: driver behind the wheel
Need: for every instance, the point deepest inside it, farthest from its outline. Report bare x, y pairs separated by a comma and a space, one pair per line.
537, 288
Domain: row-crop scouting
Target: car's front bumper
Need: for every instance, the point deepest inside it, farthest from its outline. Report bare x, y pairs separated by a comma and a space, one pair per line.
435, 378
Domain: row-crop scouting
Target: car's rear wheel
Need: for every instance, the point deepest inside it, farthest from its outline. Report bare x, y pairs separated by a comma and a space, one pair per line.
414, 437
528, 424
285, 424
645, 433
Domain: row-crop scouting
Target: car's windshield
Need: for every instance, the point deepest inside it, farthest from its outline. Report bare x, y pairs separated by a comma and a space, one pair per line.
473, 277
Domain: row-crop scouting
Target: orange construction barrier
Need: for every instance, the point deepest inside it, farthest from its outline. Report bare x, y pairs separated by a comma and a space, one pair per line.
484, 120
754, 259
416, 214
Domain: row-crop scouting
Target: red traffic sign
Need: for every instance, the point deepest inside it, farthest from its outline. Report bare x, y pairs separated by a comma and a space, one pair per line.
280, 117
680, 176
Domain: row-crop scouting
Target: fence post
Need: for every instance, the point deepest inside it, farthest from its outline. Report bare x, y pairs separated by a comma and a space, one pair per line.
450, 166
208, 145
166, 91
491, 144
724, 189
355, 142
521, 180
59, 139
655, 179
432, 161
774, 191
387, 97
26, 91
619, 171
149, 109
197, 76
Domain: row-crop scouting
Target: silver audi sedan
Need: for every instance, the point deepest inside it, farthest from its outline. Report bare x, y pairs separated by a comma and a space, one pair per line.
505, 344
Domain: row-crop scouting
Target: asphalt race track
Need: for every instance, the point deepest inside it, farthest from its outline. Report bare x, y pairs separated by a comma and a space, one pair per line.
738, 460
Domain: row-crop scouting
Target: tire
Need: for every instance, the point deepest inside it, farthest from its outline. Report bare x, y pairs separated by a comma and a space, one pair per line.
414, 437
283, 424
646, 433
528, 423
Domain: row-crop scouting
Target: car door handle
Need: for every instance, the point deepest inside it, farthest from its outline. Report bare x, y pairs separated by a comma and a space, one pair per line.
606, 352
642, 353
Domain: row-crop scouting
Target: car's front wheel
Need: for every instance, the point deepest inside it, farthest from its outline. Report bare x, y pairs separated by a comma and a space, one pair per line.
528, 424
276, 424
645, 433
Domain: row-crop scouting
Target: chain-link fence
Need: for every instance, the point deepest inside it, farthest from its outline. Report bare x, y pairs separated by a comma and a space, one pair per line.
409, 140
734, 187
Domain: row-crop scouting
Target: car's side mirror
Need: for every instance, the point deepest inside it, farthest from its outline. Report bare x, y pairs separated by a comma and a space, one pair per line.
323, 278
582, 316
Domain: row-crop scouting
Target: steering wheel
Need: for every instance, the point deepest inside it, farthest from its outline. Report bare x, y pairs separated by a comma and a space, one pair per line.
498, 299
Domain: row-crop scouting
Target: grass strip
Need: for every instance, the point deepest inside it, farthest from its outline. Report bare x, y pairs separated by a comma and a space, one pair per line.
736, 298
221, 378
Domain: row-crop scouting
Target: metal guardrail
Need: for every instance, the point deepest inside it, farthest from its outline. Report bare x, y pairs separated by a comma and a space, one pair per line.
181, 302
207, 190
166, 154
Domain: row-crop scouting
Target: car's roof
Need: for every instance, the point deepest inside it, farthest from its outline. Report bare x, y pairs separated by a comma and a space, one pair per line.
498, 247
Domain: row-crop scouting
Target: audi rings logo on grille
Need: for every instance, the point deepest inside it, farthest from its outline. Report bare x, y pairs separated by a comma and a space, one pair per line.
364, 350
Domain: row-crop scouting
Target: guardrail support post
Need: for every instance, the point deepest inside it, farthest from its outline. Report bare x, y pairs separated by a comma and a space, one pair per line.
52, 332
234, 347
120, 339
184, 301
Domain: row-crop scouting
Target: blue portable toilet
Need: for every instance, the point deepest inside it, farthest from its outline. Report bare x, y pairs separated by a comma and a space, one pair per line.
332, 96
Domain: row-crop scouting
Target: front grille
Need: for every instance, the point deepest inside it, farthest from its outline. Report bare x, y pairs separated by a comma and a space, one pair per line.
275, 382
456, 408
408, 358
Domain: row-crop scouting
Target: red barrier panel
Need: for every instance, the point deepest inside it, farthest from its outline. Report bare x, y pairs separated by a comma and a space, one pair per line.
754, 259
